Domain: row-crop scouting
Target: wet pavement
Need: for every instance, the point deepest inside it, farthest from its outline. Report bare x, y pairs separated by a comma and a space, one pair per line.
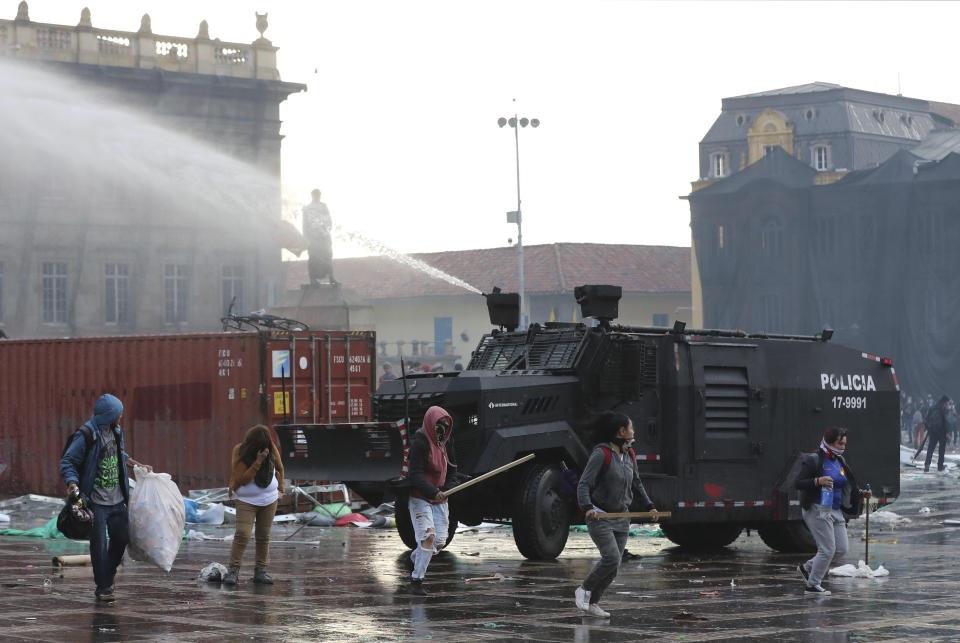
349, 584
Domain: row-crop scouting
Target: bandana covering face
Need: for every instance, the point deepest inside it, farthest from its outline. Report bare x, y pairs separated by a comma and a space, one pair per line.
829, 451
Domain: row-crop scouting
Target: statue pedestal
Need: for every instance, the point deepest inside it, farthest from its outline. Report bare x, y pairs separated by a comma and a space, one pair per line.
326, 307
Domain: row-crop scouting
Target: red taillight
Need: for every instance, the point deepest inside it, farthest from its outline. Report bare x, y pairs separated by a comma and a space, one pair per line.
886, 361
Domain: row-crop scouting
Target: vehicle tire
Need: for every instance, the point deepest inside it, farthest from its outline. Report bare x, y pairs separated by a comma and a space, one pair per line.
541, 516
702, 536
788, 537
405, 524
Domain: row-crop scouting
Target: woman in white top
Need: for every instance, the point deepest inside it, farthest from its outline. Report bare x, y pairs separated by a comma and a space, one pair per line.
257, 481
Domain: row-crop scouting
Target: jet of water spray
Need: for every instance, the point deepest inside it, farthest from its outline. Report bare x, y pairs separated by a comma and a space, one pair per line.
381, 249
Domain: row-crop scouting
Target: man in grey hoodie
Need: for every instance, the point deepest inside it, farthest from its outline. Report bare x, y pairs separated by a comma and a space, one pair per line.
607, 485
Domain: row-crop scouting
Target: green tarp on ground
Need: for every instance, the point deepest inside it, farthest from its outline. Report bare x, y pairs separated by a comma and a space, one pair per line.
48, 531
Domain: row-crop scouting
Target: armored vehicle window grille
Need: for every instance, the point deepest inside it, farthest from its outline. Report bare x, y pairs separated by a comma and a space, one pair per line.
539, 404
555, 349
389, 408
496, 352
727, 398
549, 349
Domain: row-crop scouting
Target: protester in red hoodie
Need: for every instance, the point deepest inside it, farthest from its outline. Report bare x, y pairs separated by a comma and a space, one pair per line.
428, 505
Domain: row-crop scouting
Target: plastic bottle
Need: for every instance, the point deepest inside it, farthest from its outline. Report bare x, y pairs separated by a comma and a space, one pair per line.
826, 496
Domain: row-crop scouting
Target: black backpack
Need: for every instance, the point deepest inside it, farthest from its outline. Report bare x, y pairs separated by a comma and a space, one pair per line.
76, 517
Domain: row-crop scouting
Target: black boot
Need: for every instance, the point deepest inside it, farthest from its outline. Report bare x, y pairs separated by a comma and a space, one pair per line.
416, 587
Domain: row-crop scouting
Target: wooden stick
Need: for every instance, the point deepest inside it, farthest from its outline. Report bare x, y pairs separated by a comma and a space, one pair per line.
78, 559
635, 514
489, 474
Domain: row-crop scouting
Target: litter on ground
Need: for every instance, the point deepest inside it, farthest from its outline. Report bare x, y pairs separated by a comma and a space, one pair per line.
862, 570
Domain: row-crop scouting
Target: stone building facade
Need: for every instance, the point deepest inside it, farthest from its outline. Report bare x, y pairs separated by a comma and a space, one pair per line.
784, 244
141, 187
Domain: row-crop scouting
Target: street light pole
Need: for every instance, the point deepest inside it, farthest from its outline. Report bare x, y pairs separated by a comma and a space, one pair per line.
517, 216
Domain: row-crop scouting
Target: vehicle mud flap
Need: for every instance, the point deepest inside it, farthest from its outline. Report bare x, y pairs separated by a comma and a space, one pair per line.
702, 536
541, 515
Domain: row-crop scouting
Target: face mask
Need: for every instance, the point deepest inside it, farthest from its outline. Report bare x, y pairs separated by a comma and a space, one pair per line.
441, 430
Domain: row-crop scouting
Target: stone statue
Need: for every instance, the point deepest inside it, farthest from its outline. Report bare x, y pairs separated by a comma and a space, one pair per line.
145, 27
316, 228
23, 12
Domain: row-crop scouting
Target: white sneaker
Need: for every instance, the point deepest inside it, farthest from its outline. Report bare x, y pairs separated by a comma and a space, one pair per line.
582, 598
594, 610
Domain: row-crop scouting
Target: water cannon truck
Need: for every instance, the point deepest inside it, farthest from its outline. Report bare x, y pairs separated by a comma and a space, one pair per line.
721, 418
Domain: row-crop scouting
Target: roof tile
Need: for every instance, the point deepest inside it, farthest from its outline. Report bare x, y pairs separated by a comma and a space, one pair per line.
548, 268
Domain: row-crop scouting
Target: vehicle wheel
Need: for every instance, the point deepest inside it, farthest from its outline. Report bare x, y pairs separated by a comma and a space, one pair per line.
702, 536
788, 537
405, 524
541, 518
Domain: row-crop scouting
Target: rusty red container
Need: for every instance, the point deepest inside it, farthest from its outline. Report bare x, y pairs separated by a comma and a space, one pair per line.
188, 398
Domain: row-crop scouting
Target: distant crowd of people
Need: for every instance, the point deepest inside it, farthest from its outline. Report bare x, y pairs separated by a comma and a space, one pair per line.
934, 422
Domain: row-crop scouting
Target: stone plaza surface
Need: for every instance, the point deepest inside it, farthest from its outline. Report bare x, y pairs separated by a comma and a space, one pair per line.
343, 584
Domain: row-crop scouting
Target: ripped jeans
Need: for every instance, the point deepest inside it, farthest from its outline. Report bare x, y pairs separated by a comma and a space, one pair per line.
427, 516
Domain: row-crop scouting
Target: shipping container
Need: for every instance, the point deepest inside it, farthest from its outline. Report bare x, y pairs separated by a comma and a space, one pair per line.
188, 398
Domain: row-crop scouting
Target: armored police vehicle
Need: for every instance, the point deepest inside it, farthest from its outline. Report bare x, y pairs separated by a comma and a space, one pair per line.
720, 418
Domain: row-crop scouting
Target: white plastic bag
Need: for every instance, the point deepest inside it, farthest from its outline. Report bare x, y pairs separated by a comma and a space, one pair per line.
157, 518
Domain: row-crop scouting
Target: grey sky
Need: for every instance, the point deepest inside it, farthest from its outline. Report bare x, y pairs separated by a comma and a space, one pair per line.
398, 127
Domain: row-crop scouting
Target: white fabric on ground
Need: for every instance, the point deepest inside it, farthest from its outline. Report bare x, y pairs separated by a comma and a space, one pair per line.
862, 570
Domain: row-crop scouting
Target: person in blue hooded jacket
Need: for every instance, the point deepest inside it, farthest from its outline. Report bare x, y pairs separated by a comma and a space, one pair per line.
96, 463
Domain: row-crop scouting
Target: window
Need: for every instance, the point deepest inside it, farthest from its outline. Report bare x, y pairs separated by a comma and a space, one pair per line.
54, 292
771, 313
175, 293
820, 157
661, 319
442, 334
767, 149
824, 230
771, 238
117, 302
233, 288
718, 165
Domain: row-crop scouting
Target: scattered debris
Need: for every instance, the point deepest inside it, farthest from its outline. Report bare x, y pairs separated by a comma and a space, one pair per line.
684, 615
193, 534
925, 510
862, 570
696, 580
71, 561
214, 573
883, 518
495, 578
951, 522
709, 594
